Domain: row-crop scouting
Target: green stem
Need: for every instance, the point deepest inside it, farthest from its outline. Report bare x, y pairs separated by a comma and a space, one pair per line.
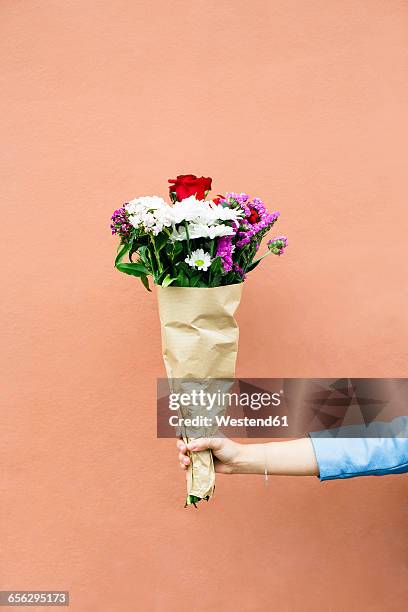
212, 249
159, 266
187, 238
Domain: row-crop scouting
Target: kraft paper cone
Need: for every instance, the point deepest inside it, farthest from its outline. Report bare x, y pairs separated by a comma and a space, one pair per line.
200, 341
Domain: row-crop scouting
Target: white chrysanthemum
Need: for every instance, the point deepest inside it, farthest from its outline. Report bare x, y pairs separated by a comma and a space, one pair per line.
190, 209
203, 211
205, 219
225, 213
199, 259
150, 213
200, 230
178, 235
216, 231
145, 203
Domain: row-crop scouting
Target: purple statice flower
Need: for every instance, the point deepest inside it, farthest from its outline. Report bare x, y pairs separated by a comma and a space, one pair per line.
278, 245
120, 223
239, 197
257, 219
224, 250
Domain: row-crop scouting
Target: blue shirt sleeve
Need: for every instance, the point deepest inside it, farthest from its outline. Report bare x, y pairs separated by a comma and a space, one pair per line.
347, 457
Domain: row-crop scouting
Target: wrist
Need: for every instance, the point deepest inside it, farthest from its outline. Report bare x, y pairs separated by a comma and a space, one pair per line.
251, 459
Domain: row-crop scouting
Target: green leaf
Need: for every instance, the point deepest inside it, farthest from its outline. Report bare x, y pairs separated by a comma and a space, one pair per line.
122, 250
168, 280
181, 265
217, 280
174, 249
134, 269
144, 256
195, 280
145, 282
133, 249
160, 241
257, 262
253, 265
178, 248
183, 279
216, 266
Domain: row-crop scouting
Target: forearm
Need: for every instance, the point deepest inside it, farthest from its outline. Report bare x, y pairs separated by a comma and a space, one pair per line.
290, 458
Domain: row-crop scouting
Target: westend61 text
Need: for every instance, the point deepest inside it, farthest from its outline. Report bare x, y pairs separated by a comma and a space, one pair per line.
227, 421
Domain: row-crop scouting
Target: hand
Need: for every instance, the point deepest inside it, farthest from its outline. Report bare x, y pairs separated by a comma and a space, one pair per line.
226, 453
289, 458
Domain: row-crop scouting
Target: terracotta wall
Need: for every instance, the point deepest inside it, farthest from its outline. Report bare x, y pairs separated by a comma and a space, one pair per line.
300, 102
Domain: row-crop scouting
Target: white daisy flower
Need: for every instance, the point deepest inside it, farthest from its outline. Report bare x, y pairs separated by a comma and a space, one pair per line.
199, 259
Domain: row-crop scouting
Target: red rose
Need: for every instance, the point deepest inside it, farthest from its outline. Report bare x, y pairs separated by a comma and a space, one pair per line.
186, 185
254, 216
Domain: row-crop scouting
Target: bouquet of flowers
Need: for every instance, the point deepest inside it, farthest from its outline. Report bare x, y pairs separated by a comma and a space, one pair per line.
198, 252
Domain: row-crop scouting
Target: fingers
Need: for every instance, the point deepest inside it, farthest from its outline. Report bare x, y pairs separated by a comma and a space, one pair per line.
200, 444
195, 446
182, 456
184, 460
181, 446
203, 443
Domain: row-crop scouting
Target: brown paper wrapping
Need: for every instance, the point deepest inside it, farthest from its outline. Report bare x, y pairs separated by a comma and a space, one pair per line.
200, 341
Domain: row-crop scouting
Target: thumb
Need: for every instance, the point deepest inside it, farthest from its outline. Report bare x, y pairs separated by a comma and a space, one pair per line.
201, 444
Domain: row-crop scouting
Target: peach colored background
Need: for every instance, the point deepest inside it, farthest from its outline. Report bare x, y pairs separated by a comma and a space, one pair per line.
300, 102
